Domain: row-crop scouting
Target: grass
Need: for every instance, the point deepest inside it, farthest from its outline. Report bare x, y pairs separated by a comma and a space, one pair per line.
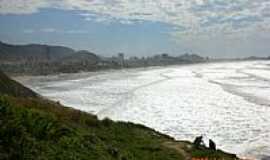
11, 87
42, 130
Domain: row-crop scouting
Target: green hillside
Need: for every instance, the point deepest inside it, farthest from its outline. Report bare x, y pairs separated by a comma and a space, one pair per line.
12, 88
35, 128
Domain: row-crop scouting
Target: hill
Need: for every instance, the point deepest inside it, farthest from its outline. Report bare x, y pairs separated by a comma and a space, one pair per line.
35, 128
85, 57
32, 52
36, 59
12, 88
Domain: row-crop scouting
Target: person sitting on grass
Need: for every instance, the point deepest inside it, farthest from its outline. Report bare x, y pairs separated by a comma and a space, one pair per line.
198, 142
212, 145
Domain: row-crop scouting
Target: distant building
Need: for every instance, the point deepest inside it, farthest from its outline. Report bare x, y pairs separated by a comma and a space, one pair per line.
121, 59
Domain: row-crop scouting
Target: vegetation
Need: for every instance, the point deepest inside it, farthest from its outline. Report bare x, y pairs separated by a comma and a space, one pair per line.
35, 128
10, 87
41, 130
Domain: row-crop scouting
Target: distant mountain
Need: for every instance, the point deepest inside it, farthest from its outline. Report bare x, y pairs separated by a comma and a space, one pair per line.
81, 57
32, 52
36, 59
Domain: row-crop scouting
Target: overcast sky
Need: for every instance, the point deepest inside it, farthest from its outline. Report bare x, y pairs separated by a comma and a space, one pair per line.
216, 28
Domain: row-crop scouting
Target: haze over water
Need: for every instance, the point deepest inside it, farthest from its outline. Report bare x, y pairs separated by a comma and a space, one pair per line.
227, 102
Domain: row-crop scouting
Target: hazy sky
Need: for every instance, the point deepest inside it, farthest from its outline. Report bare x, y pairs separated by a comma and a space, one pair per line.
220, 28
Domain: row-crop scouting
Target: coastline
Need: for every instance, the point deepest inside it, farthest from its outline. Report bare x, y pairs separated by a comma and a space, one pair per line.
159, 67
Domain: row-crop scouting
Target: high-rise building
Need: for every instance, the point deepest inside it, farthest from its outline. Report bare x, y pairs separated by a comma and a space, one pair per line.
121, 59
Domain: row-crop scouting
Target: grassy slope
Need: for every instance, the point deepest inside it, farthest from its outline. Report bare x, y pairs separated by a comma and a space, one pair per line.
11, 87
34, 128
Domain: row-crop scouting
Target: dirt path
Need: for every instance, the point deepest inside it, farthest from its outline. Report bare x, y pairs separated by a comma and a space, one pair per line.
180, 147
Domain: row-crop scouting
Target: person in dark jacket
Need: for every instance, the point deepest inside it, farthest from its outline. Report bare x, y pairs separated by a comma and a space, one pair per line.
212, 144
198, 142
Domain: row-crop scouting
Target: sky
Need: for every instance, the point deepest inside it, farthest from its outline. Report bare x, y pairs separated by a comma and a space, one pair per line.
214, 28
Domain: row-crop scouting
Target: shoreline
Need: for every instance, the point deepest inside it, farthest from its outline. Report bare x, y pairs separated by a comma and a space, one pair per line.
104, 70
